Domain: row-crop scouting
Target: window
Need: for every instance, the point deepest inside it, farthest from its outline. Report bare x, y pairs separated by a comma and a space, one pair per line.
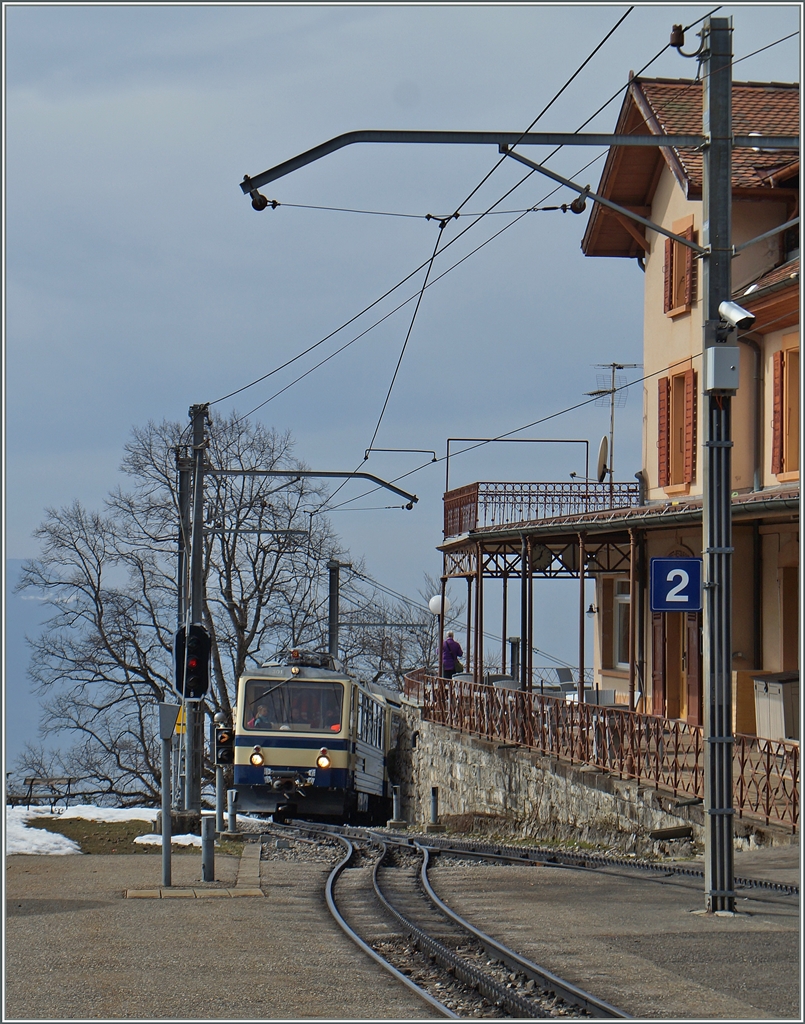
679, 291
785, 411
621, 623
293, 706
613, 596
676, 429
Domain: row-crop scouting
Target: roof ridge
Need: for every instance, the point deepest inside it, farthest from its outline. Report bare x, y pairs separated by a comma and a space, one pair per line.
694, 81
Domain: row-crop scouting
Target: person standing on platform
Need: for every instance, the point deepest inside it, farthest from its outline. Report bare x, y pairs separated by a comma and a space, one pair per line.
451, 652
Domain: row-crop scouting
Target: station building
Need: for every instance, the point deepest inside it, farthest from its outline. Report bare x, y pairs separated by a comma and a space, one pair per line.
514, 532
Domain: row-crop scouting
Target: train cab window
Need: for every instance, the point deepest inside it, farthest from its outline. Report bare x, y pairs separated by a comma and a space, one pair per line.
293, 706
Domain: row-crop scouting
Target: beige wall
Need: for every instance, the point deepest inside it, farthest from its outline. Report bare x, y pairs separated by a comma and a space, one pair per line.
671, 345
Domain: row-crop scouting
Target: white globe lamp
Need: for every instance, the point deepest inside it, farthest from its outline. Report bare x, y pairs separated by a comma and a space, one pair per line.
435, 605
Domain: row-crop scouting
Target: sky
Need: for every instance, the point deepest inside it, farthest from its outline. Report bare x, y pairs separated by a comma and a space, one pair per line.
139, 280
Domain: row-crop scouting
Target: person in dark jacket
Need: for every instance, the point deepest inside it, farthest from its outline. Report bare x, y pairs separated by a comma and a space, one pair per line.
451, 652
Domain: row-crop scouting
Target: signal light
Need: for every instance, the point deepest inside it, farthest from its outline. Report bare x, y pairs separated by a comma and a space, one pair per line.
224, 752
192, 659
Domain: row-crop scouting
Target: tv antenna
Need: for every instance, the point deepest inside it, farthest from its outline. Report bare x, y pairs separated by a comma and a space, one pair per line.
615, 387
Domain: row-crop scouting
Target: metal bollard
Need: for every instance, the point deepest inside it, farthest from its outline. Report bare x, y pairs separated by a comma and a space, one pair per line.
433, 825
207, 849
219, 799
231, 800
395, 796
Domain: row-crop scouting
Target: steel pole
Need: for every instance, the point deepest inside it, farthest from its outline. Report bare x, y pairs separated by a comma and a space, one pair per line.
717, 510
193, 738
166, 812
523, 610
582, 612
333, 610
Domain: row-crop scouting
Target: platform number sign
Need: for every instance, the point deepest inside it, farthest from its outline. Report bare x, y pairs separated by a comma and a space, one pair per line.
676, 584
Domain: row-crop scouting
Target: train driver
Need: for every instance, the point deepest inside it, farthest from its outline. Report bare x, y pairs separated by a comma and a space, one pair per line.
261, 719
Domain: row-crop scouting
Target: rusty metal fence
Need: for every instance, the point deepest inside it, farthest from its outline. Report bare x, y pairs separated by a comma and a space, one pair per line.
479, 505
663, 752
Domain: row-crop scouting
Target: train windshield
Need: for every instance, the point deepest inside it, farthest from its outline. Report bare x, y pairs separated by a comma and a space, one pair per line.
293, 706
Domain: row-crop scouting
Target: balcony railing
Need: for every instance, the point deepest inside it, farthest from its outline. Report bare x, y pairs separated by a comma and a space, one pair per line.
481, 505
663, 752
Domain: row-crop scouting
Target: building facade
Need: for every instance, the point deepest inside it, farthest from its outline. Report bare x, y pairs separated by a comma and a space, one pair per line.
652, 660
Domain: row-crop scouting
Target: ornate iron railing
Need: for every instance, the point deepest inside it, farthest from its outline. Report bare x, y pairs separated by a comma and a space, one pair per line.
481, 505
663, 752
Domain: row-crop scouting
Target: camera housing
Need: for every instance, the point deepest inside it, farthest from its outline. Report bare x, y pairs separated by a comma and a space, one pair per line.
736, 316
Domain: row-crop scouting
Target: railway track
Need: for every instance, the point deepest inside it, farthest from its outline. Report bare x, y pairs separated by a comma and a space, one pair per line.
380, 895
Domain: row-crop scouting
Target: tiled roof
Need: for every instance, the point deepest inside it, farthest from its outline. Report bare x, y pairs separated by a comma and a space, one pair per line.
653, 106
788, 273
766, 108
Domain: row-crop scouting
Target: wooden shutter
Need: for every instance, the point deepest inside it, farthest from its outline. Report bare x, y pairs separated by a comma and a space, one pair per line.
690, 426
777, 415
690, 270
693, 666
664, 432
668, 282
657, 663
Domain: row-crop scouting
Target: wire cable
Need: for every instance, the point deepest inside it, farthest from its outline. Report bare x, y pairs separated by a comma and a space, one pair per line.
259, 380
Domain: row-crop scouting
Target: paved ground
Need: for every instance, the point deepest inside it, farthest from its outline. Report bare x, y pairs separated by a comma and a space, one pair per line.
77, 948
639, 943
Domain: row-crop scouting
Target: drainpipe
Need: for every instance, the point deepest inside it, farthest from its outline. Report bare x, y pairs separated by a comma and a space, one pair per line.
757, 597
758, 424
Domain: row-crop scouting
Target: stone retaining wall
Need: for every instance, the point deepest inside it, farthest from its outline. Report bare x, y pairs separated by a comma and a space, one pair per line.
515, 791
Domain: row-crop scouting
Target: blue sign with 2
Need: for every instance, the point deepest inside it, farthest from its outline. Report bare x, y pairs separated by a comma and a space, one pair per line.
676, 584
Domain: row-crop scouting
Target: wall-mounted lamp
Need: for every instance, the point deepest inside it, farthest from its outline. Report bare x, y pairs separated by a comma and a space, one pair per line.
591, 611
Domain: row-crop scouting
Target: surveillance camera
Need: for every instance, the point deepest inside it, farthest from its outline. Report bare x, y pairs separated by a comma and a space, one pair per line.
736, 316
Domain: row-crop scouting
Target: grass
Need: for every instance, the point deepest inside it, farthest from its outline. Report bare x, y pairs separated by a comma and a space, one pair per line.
119, 836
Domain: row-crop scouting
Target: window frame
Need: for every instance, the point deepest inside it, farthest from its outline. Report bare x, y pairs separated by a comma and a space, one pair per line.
679, 270
621, 604
786, 410
677, 414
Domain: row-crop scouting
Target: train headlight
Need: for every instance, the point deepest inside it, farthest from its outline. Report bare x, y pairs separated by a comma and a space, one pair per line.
323, 760
257, 758
295, 670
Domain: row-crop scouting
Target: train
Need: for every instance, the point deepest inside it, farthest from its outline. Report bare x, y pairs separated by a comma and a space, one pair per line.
311, 741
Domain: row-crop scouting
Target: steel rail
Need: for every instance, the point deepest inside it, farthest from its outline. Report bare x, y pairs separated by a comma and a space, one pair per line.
464, 971
333, 908
550, 858
569, 992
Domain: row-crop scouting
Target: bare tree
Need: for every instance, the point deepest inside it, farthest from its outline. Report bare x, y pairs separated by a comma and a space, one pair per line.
103, 658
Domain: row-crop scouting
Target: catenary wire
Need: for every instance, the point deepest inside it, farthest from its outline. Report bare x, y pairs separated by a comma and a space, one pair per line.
526, 426
258, 380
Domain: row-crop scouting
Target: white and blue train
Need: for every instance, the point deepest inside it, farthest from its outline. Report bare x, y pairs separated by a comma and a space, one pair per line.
313, 742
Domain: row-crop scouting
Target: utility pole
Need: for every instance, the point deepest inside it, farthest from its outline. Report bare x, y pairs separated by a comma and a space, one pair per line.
194, 737
184, 467
334, 568
717, 509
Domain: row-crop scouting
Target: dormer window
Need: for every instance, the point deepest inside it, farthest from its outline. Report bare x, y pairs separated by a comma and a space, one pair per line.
679, 291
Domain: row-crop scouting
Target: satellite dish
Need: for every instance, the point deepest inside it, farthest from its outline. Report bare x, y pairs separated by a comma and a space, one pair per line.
603, 455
